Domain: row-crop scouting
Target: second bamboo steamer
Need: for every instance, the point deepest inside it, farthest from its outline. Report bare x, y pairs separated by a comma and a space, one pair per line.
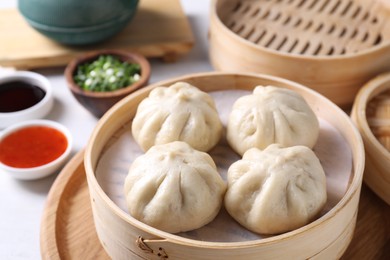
333, 47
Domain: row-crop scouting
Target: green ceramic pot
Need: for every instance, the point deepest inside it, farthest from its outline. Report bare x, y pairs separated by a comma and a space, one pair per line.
78, 22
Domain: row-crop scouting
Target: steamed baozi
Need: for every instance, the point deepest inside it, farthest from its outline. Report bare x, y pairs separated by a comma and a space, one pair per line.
174, 188
180, 112
276, 190
271, 115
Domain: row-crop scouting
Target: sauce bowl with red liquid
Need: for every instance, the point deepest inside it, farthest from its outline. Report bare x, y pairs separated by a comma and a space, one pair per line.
24, 95
34, 149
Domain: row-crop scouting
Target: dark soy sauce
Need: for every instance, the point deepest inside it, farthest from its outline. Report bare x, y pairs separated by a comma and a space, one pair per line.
19, 95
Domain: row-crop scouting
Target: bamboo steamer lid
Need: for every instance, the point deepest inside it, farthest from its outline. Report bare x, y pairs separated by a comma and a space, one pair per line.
371, 113
123, 237
331, 46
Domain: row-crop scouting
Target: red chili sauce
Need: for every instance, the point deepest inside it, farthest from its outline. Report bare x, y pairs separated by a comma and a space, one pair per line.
32, 146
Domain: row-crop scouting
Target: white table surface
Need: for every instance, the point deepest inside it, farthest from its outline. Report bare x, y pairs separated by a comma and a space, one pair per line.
22, 202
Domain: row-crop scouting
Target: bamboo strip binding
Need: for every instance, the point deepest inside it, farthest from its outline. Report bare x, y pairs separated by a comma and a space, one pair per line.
145, 248
378, 118
371, 114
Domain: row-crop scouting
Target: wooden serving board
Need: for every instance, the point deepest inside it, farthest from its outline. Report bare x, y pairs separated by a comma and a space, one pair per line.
159, 29
68, 231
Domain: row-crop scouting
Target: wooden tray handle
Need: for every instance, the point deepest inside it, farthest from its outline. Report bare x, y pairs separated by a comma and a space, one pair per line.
150, 246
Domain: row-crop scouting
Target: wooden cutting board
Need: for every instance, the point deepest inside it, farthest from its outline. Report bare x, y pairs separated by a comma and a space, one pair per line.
159, 29
68, 231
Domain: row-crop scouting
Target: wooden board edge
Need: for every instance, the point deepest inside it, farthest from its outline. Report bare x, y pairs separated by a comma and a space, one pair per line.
170, 52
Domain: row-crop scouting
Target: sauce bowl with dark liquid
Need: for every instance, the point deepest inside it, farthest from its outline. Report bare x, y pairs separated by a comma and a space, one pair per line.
24, 95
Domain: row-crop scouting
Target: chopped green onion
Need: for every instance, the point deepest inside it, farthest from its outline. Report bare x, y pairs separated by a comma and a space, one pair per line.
107, 73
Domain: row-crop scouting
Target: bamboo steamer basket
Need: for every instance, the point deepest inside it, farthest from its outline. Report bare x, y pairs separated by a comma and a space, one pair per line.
371, 113
331, 46
123, 237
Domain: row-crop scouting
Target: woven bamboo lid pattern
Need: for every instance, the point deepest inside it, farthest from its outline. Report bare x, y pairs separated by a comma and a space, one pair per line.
310, 27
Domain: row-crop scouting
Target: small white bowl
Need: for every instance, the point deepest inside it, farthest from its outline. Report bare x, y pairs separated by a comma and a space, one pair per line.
39, 110
43, 170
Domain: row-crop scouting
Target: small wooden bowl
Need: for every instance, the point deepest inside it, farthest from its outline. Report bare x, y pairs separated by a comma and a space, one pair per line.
123, 237
333, 47
99, 102
371, 113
